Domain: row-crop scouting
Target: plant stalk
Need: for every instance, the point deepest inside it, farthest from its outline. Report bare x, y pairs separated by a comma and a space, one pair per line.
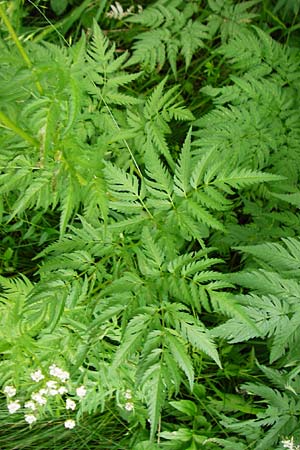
18, 44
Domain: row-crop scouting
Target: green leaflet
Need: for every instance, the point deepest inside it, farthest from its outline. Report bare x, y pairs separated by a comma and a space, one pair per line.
183, 168
178, 352
155, 394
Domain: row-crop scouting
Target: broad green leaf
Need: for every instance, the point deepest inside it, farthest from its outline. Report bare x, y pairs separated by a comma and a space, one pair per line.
187, 407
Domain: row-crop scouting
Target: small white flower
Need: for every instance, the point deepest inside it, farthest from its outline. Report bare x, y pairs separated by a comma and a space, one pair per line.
52, 369
70, 423
13, 406
59, 373
51, 384
53, 392
62, 390
129, 406
81, 391
63, 376
10, 391
37, 397
70, 404
52, 388
43, 391
30, 418
37, 376
30, 405
128, 394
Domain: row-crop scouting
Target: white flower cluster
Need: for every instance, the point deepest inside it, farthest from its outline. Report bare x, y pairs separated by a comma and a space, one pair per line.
51, 388
10, 391
13, 406
289, 444
59, 373
129, 406
37, 376
117, 11
70, 423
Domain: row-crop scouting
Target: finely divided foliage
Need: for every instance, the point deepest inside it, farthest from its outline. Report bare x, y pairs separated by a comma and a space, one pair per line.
175, 234
171, 32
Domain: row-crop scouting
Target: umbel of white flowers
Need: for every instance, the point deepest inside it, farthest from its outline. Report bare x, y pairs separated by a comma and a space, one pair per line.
52, 387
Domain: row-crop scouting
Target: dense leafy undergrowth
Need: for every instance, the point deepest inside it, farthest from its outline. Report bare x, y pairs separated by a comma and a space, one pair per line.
150, 226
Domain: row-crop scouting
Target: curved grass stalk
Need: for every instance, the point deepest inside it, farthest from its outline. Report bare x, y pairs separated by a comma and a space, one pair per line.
18, 44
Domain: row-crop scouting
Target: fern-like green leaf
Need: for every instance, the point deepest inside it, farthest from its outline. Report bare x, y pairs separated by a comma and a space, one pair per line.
183, 168
243, 177
178, 350
132, 338
154, 389
200, 339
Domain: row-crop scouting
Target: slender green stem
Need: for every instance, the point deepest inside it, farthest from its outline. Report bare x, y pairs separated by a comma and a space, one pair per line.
18, 44
64, 24
14, 37
276, 19
12, 126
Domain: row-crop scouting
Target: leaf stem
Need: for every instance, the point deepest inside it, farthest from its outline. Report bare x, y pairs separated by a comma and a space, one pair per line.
18, 44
